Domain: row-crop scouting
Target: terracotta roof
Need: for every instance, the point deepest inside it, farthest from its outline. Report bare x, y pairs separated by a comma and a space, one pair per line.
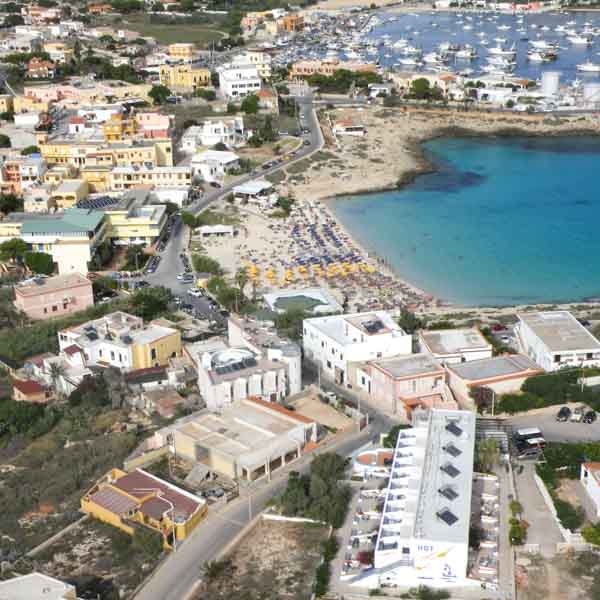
72, 349
113, 500
140, 484
265, 93
155, 508
76, 121
147, 374
27, 387
280, 409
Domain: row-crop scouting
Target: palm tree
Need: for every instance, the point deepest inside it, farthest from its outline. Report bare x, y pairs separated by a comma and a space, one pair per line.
56, 372
241, 279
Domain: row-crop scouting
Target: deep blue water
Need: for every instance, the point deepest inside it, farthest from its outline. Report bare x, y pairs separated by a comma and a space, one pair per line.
426, 31
502, 222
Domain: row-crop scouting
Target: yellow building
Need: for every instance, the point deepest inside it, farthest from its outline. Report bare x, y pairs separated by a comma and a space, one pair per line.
156, 153
59, 52
6, 103
29, 104
184, 78
125, 499
98, 178
127, 178
56, 175
136, 221
118, 128
69, 193
182, 51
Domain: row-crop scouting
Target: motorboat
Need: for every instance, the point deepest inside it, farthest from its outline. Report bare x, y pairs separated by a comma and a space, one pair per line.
588, 67
543, 45
409, 62
468, 52
500, 51
540, 56
580, 40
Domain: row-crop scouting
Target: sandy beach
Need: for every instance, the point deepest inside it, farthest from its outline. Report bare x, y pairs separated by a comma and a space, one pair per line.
311, 248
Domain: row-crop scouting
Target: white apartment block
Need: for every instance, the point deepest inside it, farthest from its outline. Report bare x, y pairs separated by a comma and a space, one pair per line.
257, 58
237, 81
228, 131
451, 346
423, 537
213, 165
228, 374
333, 342
557, 340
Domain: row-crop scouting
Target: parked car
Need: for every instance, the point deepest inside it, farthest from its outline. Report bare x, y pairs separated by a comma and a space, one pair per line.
590, 416
142, 283
564, 414
577, 415
197, 292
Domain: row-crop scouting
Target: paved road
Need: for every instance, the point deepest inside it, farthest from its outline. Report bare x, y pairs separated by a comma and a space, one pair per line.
177, 575
308, 119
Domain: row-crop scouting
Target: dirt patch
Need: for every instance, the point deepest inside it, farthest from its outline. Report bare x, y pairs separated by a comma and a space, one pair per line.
276, 560
567, 490
550, 580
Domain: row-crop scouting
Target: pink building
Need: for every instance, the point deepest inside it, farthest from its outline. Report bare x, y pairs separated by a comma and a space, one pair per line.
399, 384
54, 296
154, 125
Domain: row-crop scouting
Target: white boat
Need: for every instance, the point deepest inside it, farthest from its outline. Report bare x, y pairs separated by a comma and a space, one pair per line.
499, 61
409, 62
411, 51
399, 43
467, 52
580, 40
589, 67
433, 58
503, 27
543, 45
540, 56
500, 51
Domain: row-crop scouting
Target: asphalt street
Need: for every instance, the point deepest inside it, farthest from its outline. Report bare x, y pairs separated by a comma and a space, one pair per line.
174, 579
555, 431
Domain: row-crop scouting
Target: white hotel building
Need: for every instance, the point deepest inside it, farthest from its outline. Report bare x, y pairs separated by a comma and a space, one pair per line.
333, 342
557, 340
423, 536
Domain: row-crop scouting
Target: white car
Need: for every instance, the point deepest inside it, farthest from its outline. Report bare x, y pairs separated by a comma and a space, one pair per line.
197, 293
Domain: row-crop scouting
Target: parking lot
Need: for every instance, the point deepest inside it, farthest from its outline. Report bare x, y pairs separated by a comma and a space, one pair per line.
555, 431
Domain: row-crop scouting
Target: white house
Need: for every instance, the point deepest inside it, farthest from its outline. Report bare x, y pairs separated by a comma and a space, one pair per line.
229, 374
212, 165
228, 131
590, 480
237, 81
332, 342
556, 339
257, 58
451, 346
423, 536
259, 191
27, 120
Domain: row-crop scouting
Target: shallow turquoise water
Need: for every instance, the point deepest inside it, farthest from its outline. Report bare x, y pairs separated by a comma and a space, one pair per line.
503, 221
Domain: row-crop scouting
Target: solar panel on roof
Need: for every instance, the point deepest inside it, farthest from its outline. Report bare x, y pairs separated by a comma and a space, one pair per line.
453, 428
448, 492
447, 516
452, 450
450, 469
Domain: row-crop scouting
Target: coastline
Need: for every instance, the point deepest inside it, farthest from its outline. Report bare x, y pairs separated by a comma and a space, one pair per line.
414, 163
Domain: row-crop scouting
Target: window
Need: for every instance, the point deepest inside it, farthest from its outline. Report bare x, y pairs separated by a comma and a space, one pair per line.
112, 355
588, 356
153, 353
65, 305
46, 312
54, 308
329, 364
557, 358
100, 352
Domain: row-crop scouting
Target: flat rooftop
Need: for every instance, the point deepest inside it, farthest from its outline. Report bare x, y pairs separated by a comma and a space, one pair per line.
47, 285
451, 341
498, 366
439, 517
312, 300
35, 586
560, 331
367, 323
405, 366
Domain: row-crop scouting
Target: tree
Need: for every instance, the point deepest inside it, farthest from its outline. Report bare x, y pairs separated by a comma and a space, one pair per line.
159, 94
409, 321
56, 372
205, 264
250, 104
231, 108
391, 439
4, 141
188, 219
487, 454
149, 303
289, 323
12, 249
10, 203
241, 279
30, 150
39, 262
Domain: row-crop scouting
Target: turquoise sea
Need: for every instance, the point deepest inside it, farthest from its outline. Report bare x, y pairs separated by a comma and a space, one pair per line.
502, 221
